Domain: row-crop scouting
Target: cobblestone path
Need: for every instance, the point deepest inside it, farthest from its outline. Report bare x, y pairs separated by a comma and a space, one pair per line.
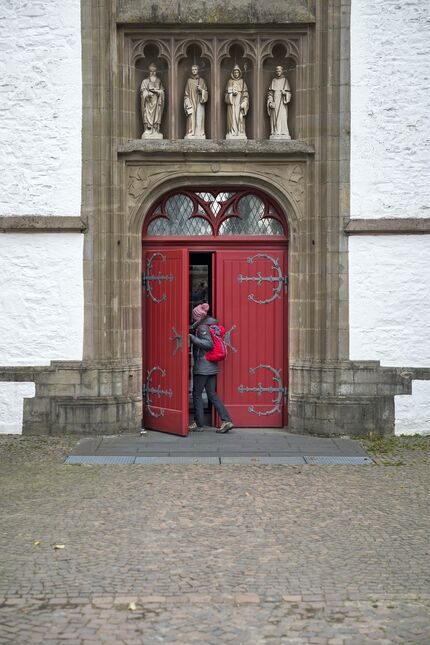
258, 555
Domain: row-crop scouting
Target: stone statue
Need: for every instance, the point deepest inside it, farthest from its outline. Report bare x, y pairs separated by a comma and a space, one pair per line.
195, 96
237, 98
152, 103
278, 97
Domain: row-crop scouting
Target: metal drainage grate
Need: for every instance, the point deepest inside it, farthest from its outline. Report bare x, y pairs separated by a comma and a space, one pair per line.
99, 460
178, 460
355, 461
264, 460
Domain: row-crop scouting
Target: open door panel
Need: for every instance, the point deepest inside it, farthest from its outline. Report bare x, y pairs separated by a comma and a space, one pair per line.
251, 302
165, 333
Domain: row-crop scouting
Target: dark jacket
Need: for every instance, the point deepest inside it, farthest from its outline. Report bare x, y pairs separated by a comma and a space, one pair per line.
201, 339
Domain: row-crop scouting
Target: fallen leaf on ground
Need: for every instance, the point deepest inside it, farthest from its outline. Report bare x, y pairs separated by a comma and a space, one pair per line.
132, 606
37, 542
58, 546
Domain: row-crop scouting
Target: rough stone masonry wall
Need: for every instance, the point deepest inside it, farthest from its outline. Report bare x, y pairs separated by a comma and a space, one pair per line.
41, 295
390, 177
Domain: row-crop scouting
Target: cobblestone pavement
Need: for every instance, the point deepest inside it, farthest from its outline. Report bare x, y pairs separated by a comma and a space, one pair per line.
212, 554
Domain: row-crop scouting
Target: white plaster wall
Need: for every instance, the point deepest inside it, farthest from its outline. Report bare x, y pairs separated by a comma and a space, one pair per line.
40, 107
11, 405
412, 412
390, 313
41, 305
390, 108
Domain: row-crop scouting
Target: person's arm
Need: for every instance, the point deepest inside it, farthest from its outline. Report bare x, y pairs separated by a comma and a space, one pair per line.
203, 338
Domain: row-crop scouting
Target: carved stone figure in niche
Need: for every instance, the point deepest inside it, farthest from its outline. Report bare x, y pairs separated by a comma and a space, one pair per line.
237, 98
195, 96
152, 100
278, 97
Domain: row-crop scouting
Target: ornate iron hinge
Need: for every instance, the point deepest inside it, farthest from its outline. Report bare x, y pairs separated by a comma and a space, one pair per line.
227, 338
280, 391
148, 278
279, 279
149, 391
178, 338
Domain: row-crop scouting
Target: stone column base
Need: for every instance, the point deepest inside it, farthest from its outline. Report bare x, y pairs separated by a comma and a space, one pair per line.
97, 397
351, 398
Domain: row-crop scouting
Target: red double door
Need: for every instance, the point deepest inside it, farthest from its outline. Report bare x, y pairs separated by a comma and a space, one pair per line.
250, 299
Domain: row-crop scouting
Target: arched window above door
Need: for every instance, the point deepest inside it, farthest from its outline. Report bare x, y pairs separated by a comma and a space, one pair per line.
215, 213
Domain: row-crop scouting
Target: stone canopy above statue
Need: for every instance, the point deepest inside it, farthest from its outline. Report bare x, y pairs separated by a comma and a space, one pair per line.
189, 88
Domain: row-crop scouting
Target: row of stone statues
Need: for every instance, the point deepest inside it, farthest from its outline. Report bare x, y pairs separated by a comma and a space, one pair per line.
196, 94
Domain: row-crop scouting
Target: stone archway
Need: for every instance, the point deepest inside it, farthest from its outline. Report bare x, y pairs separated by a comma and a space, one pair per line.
239, 235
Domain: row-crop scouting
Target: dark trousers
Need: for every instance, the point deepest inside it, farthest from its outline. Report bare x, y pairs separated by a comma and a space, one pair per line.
206, 382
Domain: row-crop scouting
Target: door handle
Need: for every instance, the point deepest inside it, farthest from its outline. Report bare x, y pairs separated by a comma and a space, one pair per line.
178, 338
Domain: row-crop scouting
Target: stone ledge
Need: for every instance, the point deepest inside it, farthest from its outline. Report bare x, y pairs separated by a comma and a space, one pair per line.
388, 226
219, 147
213, 12
48, 223
17, 374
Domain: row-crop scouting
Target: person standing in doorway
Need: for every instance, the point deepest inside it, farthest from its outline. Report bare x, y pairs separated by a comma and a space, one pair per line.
205, 371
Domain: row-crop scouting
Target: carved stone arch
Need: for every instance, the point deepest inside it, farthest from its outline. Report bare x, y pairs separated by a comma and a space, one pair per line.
292, 51
273, 187
249, 49
139, 49
180, 51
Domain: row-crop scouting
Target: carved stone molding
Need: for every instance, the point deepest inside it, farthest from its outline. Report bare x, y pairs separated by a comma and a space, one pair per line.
290, 179
217, 147
267, 46
139, 179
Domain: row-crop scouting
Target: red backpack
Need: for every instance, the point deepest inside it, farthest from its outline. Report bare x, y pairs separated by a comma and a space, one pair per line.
219, 350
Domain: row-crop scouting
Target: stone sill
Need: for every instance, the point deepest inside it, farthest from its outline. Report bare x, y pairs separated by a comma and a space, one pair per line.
388, 226
216, 147
42, 223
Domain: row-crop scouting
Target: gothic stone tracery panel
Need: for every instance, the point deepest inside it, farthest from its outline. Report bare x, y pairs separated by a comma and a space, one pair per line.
262, 107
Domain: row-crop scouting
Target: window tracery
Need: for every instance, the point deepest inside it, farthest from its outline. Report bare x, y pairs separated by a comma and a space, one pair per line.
215, 213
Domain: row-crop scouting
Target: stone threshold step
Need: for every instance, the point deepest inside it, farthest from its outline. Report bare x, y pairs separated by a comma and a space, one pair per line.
217, 461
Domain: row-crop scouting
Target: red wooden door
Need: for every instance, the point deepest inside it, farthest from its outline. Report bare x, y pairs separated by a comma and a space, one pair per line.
164, 342
251, 302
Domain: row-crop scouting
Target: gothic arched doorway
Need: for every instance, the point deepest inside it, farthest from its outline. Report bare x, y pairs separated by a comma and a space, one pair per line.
229, 248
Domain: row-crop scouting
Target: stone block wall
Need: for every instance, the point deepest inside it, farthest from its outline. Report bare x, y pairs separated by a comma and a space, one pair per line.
81, 397
346, 397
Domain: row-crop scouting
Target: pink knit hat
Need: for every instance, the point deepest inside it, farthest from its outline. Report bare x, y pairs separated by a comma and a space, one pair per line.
200, 311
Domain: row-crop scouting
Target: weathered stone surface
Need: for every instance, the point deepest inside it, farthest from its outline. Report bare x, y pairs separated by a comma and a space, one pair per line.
217, 146
41, 223
388, 226
214, 12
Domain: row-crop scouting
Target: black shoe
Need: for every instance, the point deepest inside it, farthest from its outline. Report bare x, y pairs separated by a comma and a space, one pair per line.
225, 427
